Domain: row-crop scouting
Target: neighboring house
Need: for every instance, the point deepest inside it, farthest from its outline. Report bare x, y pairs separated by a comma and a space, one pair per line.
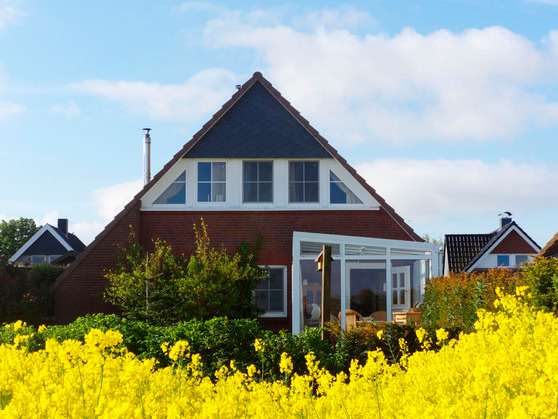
551, 248
508, 247
48, 245
258, 167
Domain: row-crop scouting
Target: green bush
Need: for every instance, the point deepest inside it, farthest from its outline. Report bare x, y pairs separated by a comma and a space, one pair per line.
163, 289
357, 342
542, 276
451, 302
25, 292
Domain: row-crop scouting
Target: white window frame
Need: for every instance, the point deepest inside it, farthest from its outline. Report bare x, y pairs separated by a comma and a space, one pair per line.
304, 202
258, 182
211, 182
176, 181
284, 296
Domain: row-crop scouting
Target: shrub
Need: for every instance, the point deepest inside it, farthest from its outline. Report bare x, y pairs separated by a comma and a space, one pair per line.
542, 276
358, 341
451, 302
25, 293
162, 289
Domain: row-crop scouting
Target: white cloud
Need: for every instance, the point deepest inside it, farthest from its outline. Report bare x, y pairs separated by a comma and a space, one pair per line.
85, 231
198, 96
405, 88
70, 111
434, 190
8, 110
111, 200
9, 12
49, 218
344, 17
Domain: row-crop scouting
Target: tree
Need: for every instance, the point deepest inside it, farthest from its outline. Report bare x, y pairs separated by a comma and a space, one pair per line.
428, 239
14, 234
160, 288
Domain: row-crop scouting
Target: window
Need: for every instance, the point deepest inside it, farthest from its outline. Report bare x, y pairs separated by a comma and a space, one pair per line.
175, 193
37, 259
339, 193
303, 181
271, 292
503, 260
258, 181
212, 181
519, 259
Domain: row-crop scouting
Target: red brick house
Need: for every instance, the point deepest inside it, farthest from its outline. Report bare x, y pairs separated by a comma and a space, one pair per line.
258, 167
508, 247
551, 248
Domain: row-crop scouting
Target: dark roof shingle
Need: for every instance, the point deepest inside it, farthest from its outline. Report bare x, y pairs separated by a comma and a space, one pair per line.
257, 126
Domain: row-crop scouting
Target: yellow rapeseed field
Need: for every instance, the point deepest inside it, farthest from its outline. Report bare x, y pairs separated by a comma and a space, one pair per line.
507, 368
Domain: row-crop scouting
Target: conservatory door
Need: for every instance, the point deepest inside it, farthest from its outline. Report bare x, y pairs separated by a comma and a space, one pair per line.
400, 288
366, 289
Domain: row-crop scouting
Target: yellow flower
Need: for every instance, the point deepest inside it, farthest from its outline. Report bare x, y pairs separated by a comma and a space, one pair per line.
42, 328
286, 363
441, 335
19, 325
179, 349
259, 345
380, 334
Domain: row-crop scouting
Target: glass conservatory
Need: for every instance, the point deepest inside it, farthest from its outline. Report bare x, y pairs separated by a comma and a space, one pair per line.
374, 277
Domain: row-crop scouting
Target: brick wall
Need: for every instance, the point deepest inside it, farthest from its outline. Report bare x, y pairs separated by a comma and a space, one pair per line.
513, 243
81, 291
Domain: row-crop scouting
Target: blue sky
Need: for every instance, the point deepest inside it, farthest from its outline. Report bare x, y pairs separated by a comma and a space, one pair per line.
448, 108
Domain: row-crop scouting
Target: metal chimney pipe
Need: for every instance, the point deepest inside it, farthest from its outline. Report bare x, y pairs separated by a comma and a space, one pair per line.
146, 156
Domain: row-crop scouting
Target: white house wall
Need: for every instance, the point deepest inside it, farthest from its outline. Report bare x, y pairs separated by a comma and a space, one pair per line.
234, 188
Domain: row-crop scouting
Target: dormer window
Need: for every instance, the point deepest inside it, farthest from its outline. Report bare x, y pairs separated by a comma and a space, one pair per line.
339, 193
304, 181
257, 181
503, 260
212, 184
175, 193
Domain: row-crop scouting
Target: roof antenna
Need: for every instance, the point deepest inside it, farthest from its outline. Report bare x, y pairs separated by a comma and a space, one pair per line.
146, 156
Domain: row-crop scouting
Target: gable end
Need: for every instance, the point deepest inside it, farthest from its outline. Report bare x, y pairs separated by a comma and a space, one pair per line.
257, 126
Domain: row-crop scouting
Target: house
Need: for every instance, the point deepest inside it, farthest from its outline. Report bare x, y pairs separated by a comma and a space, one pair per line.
48, 245
551, 248
257, 167
508, 246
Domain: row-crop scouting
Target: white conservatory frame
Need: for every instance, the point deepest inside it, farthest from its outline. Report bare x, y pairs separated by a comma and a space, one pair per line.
394, 250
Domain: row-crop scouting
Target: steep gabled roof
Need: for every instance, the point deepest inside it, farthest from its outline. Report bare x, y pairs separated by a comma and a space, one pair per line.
257, 81
551, 248
465, 250
460, 249
67, 240
258, 126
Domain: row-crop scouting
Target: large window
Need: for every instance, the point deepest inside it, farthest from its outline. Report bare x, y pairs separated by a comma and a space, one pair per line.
212, 183
258, 181
303, 181
271, 292
503, 260
339, 193
175, 193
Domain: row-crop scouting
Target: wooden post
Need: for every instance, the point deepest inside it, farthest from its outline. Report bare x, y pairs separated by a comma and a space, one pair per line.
326, 287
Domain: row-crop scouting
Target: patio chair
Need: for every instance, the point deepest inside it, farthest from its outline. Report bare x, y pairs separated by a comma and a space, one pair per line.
351, 318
